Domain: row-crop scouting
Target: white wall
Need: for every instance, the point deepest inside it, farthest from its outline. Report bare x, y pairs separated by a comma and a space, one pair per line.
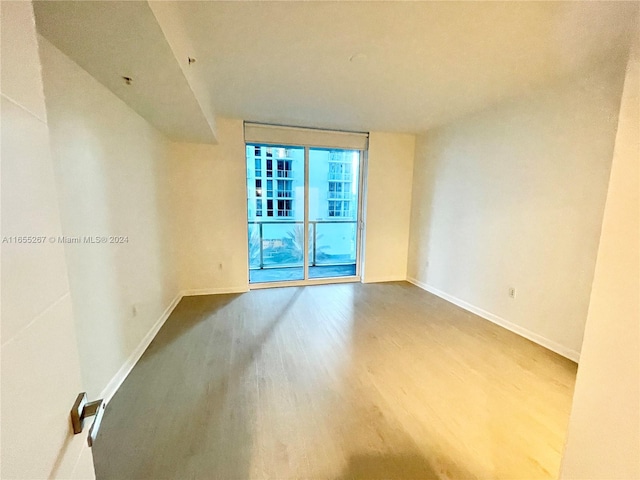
604, 430
513, 197
208, 183
208, 187
112, 172
40, 365
389, 177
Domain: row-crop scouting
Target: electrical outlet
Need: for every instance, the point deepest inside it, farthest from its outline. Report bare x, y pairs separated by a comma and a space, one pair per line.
134, 309
512, 292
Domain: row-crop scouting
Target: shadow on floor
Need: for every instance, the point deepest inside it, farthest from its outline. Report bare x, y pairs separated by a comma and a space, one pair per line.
190, 312
388, 466
171, 414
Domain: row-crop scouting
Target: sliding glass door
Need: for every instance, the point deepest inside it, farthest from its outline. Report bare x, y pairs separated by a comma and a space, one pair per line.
333, 212
276, 198
303, 213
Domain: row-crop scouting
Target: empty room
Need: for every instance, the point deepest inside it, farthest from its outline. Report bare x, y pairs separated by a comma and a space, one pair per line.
320, 240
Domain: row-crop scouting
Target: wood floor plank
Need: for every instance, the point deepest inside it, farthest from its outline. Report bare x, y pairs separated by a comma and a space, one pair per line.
345, 381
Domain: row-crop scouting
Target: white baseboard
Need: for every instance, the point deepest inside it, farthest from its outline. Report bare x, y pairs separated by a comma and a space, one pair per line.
523, 332
215, 291
390, 278
113, 386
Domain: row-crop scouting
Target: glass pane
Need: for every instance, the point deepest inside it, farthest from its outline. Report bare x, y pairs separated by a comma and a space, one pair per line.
333, 212
275, 206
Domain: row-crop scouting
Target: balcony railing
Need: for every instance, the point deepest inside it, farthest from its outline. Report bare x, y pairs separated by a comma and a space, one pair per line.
294, 243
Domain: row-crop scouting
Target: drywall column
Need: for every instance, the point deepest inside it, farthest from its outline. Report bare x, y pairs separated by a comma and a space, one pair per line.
208, 187
604, 431
388, 206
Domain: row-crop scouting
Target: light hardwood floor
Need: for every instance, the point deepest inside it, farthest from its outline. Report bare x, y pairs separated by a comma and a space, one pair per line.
345, 381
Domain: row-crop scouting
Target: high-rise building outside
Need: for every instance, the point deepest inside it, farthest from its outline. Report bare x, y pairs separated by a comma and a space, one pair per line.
275, 202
